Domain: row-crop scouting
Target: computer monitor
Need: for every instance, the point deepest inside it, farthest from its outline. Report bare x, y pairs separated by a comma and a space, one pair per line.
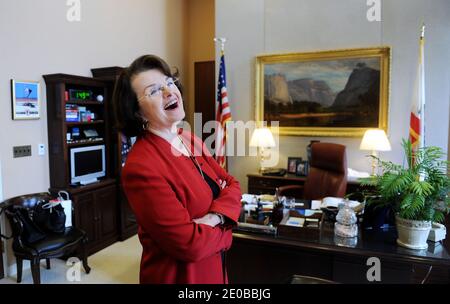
87, 164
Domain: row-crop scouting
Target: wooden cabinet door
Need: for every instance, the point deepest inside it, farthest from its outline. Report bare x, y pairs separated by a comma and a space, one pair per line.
85, 215
205, 91
128, 223
106, 212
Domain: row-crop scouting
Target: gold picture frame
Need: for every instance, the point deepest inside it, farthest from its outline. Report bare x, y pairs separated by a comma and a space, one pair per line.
328, 93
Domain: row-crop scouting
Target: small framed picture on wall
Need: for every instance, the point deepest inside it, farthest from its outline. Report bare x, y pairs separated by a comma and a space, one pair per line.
25, 103
302, 168
292, 164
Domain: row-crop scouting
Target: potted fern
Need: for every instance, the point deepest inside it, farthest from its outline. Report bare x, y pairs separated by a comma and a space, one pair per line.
418, 192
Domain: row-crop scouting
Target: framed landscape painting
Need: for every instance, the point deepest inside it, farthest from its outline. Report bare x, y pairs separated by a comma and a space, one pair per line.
327, 93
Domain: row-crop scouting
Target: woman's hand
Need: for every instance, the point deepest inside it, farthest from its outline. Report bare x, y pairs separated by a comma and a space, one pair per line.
209, 219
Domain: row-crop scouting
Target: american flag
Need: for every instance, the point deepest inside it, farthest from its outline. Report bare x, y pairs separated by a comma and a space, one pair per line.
417, 121
223, 114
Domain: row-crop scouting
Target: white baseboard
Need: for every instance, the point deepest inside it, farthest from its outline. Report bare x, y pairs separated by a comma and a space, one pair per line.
12, 269
4, 261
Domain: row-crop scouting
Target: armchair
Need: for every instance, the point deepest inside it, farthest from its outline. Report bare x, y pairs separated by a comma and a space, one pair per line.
46, 246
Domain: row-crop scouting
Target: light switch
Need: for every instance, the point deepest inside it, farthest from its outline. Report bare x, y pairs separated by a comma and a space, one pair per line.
41, 149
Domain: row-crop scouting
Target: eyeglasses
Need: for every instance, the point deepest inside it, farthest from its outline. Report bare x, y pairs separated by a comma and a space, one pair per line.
157, 89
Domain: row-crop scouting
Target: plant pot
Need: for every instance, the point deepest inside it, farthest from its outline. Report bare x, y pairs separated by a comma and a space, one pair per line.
412, 234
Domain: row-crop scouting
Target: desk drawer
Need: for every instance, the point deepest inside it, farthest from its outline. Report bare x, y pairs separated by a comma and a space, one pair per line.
259, 190
263, 185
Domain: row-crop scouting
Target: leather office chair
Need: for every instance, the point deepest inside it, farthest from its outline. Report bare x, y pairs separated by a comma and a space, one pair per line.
51, 246
327, 175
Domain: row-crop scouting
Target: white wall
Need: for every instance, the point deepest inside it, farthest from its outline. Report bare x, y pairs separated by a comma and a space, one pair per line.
199, 46
1, 182
37, 39
256, 27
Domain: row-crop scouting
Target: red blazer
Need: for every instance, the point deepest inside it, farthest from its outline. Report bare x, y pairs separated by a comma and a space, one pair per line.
166, 192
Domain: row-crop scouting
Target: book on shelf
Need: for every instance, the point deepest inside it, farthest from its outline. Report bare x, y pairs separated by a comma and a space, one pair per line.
80, 141
72, 114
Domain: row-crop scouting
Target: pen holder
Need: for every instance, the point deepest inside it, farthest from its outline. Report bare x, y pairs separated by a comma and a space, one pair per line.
330, 213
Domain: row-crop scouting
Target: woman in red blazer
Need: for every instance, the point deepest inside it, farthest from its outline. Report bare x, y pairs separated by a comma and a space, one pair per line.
184, 202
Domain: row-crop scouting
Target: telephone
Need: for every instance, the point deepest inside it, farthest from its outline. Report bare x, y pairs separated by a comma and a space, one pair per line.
274, 172
437, 232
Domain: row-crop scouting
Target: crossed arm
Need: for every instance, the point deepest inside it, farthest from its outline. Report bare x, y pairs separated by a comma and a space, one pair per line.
171, 226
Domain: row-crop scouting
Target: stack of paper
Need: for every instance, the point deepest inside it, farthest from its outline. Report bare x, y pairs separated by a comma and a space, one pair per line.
353, 175
335, 201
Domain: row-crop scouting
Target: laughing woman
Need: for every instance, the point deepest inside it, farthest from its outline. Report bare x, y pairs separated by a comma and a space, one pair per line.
184, 202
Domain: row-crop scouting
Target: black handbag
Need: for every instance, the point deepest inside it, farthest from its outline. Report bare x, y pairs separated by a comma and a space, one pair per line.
30, 232
50, 216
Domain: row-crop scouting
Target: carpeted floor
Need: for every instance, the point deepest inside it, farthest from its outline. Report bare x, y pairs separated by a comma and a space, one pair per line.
116, 264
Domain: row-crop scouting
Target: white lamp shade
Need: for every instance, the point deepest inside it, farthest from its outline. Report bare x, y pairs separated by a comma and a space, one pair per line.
262, 138
375, 140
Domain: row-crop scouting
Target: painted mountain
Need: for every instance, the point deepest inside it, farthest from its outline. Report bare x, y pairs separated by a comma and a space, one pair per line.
337, 93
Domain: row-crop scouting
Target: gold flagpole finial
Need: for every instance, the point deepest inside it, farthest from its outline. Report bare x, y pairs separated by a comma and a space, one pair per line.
422, 31
222, 41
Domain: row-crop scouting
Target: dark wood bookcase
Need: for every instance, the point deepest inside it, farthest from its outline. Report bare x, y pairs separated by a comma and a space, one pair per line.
95, 206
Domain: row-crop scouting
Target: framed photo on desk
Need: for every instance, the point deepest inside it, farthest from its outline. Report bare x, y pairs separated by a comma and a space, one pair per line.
292, 164
302, 168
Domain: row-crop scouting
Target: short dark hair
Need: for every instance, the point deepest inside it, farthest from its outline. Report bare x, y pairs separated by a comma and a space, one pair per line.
125, 104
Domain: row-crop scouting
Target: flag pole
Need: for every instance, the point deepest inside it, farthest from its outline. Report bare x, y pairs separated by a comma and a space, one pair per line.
421, 94
222, 41
223, 109
422, 86
417, 118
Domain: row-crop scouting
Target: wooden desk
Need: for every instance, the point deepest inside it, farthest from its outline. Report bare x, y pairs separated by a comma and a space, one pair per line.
257, 258
262, 184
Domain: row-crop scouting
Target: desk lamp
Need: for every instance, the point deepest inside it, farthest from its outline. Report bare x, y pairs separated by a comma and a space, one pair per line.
375, 140
262, 138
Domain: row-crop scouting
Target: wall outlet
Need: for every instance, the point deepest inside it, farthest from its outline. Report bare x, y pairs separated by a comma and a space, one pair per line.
41, 149
21, 151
